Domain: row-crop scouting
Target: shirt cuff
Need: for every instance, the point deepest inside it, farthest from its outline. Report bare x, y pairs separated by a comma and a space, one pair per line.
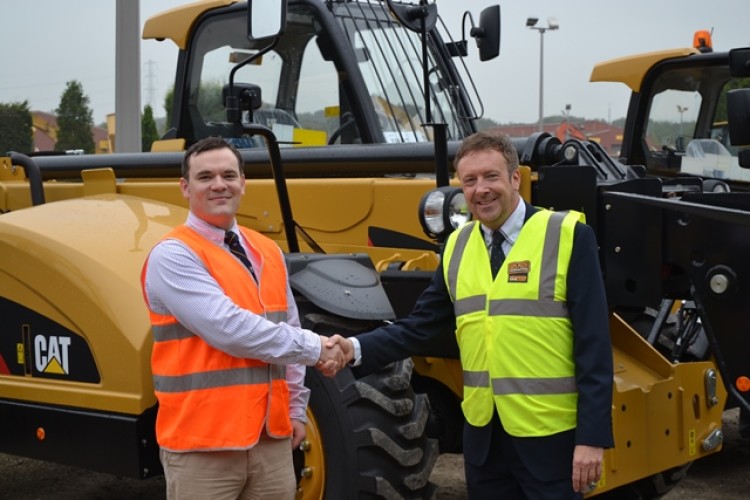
298, 414
357, 352
311, 348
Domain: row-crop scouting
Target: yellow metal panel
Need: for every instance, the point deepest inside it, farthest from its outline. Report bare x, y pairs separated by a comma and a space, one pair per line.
426, 261
446, 371
630, 70
332, 111
309, 137
337, 213
525, 188
9, 172
168, 146
174, 24
78, 262
99, 181
661, 411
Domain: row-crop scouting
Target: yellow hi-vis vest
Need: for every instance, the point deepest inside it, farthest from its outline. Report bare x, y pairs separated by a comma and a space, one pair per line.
514, 333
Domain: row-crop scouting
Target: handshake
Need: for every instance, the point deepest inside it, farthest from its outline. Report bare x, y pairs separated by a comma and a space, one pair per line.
335, 353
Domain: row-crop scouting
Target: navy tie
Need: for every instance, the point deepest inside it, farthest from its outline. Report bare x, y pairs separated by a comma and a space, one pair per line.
233, 242
497, 256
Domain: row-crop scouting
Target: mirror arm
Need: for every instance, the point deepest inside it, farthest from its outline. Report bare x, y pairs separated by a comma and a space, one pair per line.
463, 25
232, 101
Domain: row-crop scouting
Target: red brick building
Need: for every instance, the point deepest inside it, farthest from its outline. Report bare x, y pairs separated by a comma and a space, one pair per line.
44, 126
608, 136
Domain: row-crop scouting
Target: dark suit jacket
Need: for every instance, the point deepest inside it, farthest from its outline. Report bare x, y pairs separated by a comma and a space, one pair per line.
430, 331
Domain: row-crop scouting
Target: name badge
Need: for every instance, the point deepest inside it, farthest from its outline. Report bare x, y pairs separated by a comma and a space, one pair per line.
518, 272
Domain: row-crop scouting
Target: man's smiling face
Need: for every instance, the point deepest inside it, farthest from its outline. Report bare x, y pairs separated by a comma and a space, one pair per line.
214, 187
491, 193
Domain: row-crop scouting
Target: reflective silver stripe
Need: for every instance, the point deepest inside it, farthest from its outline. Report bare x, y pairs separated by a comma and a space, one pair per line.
277, 316
535, 308
469, 305
171, 332
178, 332
476, 379
219, 378
533, 386
545, 306
550, 254
455, 261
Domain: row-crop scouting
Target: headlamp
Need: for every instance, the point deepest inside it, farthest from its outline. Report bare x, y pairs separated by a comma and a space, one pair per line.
442, 210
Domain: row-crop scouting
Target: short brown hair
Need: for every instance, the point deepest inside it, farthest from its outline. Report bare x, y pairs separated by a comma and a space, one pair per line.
208, 144
482, 141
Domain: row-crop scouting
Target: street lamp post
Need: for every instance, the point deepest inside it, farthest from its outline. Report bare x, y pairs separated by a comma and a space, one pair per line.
681, 110
552, 24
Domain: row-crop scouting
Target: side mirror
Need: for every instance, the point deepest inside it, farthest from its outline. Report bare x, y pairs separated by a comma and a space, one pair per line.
248, 95
265, 19
738, 110
239, 97
488, 33
739, 62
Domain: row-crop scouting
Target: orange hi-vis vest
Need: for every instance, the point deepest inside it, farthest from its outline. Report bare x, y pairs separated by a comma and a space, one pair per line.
208, 399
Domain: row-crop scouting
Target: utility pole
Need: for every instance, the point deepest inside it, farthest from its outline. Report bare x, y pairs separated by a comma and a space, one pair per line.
552, 24
150, 85
681, 110
127, 77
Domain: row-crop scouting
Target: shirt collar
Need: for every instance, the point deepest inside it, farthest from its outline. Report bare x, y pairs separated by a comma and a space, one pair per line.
511, 227
208, 231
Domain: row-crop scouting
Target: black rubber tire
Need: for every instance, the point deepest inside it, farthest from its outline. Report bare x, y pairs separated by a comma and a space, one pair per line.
446, 422
373, 434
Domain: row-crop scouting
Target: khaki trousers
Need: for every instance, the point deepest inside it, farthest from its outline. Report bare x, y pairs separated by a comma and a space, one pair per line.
262, 472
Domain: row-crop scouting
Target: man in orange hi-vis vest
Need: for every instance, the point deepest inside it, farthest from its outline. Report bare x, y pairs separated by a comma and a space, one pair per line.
229, 353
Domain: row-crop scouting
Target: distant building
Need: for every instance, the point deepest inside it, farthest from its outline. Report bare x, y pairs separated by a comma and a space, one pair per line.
608, 136
44, 126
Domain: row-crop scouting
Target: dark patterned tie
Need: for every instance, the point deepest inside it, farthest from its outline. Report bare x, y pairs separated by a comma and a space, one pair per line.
233, 242
497, 256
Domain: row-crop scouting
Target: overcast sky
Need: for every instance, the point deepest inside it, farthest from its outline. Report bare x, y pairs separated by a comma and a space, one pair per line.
47, 43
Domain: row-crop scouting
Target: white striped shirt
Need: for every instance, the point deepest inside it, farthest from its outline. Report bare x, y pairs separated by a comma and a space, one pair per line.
178, 284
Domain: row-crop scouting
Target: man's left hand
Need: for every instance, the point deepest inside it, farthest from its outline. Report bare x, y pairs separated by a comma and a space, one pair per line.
587, 467
299, 432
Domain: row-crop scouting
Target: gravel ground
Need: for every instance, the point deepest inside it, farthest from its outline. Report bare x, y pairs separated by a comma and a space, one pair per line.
723, 476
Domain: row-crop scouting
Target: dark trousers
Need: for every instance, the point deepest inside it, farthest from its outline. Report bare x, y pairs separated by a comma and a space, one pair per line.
503, 474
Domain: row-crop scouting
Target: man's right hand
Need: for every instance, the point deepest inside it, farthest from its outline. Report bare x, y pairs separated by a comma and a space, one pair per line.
345, 344
331, 357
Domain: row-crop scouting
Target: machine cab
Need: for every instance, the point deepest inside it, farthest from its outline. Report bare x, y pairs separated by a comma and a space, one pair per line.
341, 73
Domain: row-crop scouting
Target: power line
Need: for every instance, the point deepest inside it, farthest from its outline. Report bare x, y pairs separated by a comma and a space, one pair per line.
150, 82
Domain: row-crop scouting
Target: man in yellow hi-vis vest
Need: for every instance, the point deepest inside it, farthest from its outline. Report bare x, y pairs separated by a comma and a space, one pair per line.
519, 297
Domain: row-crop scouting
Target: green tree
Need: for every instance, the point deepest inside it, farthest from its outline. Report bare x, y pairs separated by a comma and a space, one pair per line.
15, 128
168, 109
721, 106
210, 103
149, 133
74, 120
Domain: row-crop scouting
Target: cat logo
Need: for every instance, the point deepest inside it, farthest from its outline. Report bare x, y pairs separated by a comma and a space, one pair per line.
51, 354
